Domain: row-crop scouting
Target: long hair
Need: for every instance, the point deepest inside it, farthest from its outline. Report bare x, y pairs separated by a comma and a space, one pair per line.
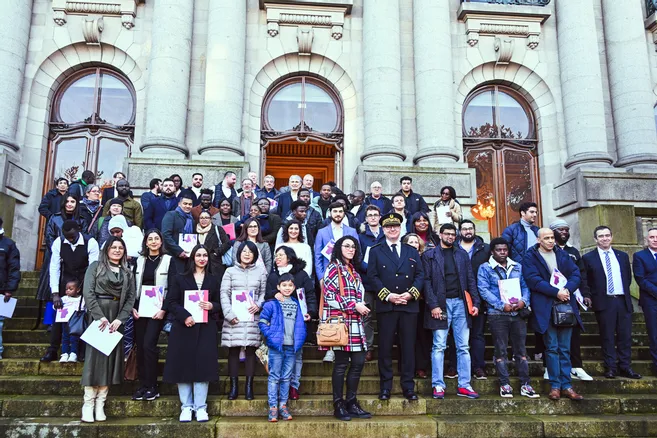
103, 259
408, 236
190, 267
62, 205
336, 255
292, 258
286, 234
416, 217
244, 236
144, 247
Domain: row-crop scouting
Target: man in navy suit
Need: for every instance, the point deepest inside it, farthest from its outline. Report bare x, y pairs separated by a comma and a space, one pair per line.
330, 234
609, 276
645, 274
158, 207
395, 272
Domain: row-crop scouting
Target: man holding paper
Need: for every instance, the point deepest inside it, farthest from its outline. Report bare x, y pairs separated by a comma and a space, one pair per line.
10, 272
502, 286
327, 236
176, 226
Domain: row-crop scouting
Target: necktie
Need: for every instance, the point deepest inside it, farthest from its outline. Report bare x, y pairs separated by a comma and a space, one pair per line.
394, 252
610, 278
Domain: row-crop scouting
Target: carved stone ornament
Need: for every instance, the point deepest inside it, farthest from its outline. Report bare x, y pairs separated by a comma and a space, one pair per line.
305, 37
126, 10
331, 17
91, 29
504, 50
651, 26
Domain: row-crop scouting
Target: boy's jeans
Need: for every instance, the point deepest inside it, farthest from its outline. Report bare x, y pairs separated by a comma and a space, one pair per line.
281, 364
502, 327
295, 380
69, 342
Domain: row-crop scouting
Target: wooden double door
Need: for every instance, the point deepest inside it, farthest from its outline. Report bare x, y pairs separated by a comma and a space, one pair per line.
292, 157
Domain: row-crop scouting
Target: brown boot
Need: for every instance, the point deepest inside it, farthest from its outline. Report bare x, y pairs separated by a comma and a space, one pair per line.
571, 394
554, 394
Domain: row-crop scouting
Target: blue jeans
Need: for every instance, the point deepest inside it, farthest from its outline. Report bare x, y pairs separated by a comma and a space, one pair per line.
295, 380
281, 364
69, 342
457, 319
193, 395
557, 356
2, 323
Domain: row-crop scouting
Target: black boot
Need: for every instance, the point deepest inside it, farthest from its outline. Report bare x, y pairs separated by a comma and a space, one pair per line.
51, 355
340, 411
248, 389
233, 388
354, 409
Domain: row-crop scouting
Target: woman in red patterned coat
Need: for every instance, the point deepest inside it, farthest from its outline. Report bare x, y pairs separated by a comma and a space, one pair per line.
344, 297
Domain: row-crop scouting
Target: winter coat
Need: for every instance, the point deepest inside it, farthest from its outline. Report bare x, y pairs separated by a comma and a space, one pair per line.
415, 203
131, 210
272, 325
236, 279
516, 235
193, 353
367, 240
218, 243
10, 265
264, 257
156, 209
301, 280
454, 208
50, 203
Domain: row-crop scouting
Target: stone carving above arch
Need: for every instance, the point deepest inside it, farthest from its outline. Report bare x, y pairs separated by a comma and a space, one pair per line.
304, 17
126, 9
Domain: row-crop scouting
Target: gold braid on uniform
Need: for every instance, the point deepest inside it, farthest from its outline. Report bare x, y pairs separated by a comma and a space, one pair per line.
383, 294
416, 293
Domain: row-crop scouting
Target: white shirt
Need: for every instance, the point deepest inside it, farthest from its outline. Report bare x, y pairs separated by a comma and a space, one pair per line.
653, 253
509, 265
397, 248
55, 258
197, 191
615, 271
337, 231
226, 190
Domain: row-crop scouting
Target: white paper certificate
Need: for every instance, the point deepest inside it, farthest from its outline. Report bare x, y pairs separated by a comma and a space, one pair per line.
150, 301
104, 341
301, 294
187, 241
510, 292
328, 249
441, 213
69, 305
558, 280
192, 300
7, 309
240, 302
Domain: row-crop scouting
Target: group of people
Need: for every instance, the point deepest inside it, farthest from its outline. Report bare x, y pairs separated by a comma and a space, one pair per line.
300, 257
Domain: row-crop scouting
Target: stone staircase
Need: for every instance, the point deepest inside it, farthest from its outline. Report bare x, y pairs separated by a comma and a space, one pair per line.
44, 399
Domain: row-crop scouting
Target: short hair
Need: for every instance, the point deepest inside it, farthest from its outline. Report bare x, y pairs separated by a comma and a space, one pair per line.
230, 172
186, 194
90, 187
405, 178
247, 180
600, 228
197, 173
295, 177
341, 196
444, 227
397, 195
167, 180
336, 255
70, 225
526, 206
377, 183
240, 249
286, 277
88, 174
292, 258
297, 204
261, 198
499, 241
145, 251
372, 207
154, 182
75, 281
326, 185
335, 205
467, 221
116, 173
61, 178
358, 193
286, 232
649, 229
206, 191
269, 176
303, 189
452, 192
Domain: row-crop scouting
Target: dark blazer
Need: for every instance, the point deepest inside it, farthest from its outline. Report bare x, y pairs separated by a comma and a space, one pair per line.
367, 240
156, 210
275, 222
387, 276
219, 196
415, 202
537, 276
172, 225
597, 279
645, 274
10, 265
284, 203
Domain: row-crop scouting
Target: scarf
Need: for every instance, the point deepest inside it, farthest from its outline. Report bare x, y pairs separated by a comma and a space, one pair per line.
203, 232
189, 221
91, 205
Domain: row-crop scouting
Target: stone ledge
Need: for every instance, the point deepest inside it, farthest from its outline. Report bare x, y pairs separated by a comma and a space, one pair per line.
348, 4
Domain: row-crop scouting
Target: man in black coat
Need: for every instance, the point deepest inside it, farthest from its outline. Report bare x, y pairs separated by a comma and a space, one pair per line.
10, 272
225, 190
175, 223
396, 273
52, 201
79, 186
414, 201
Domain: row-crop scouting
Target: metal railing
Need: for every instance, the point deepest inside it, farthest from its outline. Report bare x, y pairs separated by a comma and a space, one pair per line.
522, 2
651, 7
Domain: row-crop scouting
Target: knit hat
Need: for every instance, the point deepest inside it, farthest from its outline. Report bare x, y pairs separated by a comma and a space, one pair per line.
116, 201
118, 222
559, 223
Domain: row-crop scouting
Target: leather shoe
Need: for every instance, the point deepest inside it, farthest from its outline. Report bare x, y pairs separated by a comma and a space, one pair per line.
609, 374
571, 394
369, 356
384, 394
421, 374
49, 356
554, 394
410, 395
630, 374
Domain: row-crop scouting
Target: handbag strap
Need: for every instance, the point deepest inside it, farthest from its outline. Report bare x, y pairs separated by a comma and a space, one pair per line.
93, 221
321, 299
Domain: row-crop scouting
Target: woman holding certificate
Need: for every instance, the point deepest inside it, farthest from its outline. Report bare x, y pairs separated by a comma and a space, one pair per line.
242, 294
447, 209
251, 231
193, 352
215, 239
109, 294
151, 278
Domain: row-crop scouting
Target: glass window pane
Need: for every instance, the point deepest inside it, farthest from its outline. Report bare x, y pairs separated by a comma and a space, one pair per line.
514, 122
77, 103
518, 171
284, 111
320, 113
479, 120
482, 162
111, 153
70, 156
116, 101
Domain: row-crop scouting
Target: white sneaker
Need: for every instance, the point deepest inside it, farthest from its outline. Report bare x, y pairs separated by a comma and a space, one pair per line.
64, 358
580, 374
202, 416
186, 415
546, 376
330, 356
72, 357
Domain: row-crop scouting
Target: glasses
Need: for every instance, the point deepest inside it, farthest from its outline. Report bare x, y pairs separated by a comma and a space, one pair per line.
373, 215
450, 234
253, 226
445, 193
348, 246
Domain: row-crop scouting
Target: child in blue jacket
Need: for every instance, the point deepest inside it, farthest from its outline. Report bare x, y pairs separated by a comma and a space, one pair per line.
283, 326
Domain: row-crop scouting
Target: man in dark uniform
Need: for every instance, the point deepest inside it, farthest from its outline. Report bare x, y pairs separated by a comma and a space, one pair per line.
395, 272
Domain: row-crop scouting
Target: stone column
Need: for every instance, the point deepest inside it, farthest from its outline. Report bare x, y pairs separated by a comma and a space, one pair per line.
630, 84
382, 82
168, 78
581, 85
224, 78
15, 22
434, 83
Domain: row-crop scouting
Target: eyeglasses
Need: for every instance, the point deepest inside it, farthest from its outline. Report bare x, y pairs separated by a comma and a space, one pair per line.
373, 215
253, 226
450, 234
445, 193
348, 246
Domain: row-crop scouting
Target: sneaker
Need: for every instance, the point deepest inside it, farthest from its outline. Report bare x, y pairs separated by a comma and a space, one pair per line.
72, 358
506, 391
451, 373
438, 392
139, 394
538, 356
186, 415
467, 392
151, 394
480, 374
202, 416
546, 376
64, 358
528, 391
330, 356
284, 413
580, 374
273, 414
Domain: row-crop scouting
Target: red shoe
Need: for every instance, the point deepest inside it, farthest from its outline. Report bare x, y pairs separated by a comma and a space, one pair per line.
438, 392
467, 392
294, 393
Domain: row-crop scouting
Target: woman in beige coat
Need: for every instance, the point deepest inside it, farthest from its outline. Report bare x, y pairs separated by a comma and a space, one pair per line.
447, 199
245, 275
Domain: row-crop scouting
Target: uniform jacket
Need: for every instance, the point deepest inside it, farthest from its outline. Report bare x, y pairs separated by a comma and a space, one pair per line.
324, 236
10, 265
516, 235
415, 203
645, 274
596, 279
272, 325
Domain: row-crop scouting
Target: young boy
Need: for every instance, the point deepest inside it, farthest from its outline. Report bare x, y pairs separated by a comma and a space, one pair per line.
283, 326
70, 342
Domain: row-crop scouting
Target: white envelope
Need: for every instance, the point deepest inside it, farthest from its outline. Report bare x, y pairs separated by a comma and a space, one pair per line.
104, 341
7, 309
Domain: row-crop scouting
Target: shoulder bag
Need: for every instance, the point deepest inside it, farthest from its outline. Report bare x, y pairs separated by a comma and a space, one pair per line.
563, 314
78, 322
332, 332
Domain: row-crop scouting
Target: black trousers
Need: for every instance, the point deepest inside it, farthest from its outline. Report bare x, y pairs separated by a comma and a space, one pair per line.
423, 344
234, 361
405, 324
615, 324
147, 333
342, 359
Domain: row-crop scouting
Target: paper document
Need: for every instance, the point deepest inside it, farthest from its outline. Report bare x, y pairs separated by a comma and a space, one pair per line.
558, 280
441, 214
240, 303
230, 230
7, 309
133, 238
104, 341
192, 300
580, 300
510, 292
187, 241
69, 305
366, 257
150, 301
328, 249
301, 294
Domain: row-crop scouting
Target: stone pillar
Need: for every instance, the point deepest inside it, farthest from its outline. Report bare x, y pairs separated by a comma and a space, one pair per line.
581, 85
434, 83
15, 22
168, 78
224, 78
382, 82
630, 84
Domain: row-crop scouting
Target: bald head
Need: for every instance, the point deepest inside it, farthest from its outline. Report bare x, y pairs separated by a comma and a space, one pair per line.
546, 239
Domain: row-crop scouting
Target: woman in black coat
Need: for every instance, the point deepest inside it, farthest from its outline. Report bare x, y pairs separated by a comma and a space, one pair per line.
193, 347
215, 239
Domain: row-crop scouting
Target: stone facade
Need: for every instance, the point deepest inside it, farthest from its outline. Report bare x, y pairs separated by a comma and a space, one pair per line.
402, 68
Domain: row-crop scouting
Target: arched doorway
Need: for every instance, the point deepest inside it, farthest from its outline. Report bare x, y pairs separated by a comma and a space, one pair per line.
499, 141
302, 131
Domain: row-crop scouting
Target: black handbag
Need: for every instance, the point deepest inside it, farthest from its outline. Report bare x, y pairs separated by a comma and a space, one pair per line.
78, 322
563, 314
